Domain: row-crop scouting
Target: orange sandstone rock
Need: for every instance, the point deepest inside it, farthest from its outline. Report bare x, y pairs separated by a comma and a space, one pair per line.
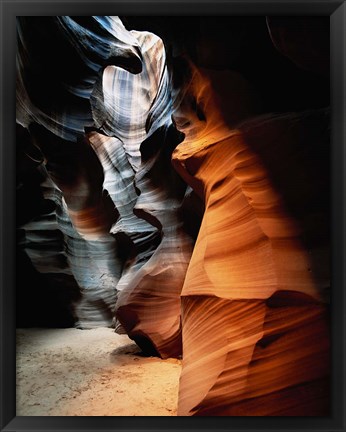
255, 328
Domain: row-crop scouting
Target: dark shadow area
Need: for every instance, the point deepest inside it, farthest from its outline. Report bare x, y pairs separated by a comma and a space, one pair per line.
243, 44
44, 300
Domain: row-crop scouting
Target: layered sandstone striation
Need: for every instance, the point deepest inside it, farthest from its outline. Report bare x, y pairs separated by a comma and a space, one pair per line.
180, 215
255, 334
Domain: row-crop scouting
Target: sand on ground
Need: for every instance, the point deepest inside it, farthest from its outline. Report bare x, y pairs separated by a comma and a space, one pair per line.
71, 372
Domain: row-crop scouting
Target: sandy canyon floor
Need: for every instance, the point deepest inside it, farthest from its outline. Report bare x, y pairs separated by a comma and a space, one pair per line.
71, 372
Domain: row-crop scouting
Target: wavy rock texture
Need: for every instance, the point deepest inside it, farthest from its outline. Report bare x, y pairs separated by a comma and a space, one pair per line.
148, 305
55, 246
204, 235
109, 233
75, 51
56, 110
255, 335
137, 110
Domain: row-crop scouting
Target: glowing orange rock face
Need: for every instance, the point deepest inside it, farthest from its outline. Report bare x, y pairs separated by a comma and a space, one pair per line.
246, 303
255, 334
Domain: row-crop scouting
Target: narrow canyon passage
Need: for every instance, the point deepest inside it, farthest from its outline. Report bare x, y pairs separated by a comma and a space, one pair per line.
173, 216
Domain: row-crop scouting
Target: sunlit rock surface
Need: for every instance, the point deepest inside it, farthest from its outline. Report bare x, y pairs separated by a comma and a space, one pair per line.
167, 207
117, 196
136, 110
75, 50
56, 109
254, 317
148, 305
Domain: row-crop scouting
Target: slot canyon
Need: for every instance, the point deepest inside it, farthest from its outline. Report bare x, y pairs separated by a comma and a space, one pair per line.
173, 193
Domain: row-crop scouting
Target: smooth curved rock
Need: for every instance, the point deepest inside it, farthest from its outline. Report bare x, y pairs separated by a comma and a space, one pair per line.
254, 322
96, 170
204, 234
148, 305
55, 108
136, 111
59, 60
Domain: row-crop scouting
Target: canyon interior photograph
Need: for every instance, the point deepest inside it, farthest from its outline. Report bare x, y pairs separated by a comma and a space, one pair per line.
173, 216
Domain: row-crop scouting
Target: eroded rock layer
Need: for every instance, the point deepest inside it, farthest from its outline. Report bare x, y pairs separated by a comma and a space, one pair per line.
109, 174
254, 358
253, 313
173, 210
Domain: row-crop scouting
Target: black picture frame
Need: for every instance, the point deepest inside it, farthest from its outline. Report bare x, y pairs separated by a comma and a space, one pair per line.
9, 9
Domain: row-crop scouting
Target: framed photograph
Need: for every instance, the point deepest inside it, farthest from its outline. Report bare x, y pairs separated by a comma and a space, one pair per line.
172, 215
